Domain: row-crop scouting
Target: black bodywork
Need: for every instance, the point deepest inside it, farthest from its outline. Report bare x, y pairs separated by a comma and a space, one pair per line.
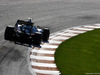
23, 38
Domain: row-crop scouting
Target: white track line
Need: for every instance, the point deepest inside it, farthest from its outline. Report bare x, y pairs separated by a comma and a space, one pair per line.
49, 46
83, 29
43, 64
55, 42
67, 34
34, 50
61, 38
47, 72
41, 57
97, 24
52, 37
93, 26
73, 31
43, 51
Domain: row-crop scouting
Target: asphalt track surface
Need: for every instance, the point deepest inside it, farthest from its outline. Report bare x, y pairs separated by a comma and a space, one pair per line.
55, 14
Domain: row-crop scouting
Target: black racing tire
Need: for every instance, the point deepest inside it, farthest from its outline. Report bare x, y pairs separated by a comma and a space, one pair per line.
37, 39
15, 41
9, 33
46, 34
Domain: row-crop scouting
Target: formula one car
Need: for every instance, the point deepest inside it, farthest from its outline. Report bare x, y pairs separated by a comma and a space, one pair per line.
25, 33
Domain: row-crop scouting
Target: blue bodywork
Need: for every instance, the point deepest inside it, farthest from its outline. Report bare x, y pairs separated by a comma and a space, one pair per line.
27, 29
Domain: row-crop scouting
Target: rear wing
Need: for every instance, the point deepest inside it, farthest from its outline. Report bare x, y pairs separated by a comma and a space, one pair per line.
24, 22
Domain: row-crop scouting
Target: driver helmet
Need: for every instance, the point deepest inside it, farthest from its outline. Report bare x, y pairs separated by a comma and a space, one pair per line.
29, 20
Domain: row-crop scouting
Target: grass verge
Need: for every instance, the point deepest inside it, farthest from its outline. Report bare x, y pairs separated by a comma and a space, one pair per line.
80, 55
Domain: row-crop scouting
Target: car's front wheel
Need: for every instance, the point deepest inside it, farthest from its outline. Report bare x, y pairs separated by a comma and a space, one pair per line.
46, 33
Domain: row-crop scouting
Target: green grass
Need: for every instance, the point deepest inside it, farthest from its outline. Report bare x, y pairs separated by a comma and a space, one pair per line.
80, 54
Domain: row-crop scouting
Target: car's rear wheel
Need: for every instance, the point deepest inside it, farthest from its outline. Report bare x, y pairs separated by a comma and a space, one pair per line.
9, 33
37, 39
46, 33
